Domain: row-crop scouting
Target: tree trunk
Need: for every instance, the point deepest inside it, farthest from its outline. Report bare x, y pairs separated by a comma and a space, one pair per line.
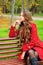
12, 11
22, 5
3, 6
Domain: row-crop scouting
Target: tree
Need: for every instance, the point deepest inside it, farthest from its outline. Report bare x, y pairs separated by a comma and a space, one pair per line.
8, 6
32, 5
3, 6
40, 6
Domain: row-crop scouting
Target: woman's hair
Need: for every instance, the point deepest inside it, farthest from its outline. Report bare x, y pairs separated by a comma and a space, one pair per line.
27, 27
22, 24
27, 15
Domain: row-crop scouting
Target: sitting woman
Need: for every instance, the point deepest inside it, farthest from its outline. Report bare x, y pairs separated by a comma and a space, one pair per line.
33, 50
14, 30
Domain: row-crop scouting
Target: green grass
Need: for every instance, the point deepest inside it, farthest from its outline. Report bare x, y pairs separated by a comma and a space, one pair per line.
40, 15
4, 32
39, 23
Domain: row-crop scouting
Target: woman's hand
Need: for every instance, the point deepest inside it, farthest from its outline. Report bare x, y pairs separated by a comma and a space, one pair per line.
18, 21
23, 54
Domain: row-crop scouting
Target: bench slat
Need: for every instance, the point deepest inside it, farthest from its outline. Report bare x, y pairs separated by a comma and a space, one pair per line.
5, 47
2, 39
8, 55
7, 51
40, 62
1, 43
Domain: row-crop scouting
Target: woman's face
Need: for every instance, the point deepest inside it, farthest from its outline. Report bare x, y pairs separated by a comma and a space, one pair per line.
22, 17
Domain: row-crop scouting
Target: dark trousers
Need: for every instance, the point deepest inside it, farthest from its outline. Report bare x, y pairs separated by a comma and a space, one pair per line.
33, 61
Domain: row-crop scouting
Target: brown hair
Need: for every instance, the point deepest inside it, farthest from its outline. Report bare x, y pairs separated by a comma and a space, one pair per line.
27, 15
25, 36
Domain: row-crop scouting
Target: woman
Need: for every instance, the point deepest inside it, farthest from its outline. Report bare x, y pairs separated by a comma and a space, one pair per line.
33, 50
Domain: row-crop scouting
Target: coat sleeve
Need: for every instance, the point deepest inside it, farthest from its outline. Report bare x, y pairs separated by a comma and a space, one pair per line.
11, 32
33, 40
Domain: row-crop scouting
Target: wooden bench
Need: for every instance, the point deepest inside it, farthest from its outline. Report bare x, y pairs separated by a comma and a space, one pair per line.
9, 49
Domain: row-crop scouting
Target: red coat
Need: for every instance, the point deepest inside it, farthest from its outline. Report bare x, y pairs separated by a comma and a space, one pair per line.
13, 32
34, 43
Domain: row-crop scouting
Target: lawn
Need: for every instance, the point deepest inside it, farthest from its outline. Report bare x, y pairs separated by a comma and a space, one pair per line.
39, 25
39, 15
4, 31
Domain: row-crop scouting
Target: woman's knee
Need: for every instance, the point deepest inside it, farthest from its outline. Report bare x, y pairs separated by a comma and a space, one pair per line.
31, 53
